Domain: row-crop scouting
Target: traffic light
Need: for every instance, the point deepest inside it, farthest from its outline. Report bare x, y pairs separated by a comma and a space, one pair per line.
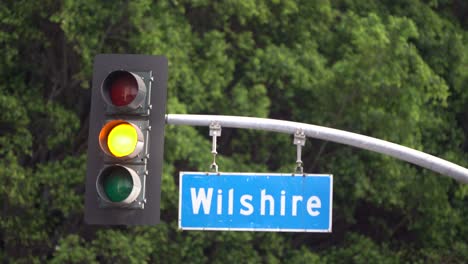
126, 139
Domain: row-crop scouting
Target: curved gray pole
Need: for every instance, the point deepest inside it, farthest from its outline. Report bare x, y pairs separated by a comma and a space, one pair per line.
356, 140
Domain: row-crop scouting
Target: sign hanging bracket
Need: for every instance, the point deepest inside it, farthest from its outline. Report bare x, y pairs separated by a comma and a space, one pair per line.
299, 141
215, 131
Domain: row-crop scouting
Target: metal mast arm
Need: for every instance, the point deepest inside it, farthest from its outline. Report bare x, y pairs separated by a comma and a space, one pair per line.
356, 140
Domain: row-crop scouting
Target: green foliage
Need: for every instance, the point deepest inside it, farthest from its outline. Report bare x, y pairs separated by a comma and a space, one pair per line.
360, 249
395, 70
72, 249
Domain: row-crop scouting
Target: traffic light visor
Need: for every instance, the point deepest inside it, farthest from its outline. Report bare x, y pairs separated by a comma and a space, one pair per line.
121, 139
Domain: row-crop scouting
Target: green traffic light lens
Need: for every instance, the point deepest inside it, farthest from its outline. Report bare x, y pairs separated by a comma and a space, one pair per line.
117, 184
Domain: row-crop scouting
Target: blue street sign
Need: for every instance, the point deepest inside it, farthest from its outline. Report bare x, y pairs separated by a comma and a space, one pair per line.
255, 202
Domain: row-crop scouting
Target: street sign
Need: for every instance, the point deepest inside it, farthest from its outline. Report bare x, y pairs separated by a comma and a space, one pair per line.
255, 202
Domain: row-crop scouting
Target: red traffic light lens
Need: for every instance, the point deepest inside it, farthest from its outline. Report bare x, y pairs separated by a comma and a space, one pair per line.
123, 89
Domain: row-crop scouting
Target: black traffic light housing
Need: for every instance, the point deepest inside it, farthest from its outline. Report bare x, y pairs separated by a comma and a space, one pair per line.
126, 139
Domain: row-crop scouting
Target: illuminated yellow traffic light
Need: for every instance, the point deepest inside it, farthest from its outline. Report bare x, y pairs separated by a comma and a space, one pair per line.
121, 139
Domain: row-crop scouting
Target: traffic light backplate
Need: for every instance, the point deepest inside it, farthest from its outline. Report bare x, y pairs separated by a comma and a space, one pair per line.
123, 185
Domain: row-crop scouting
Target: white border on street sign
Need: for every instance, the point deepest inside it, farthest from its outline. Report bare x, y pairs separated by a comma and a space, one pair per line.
214, 174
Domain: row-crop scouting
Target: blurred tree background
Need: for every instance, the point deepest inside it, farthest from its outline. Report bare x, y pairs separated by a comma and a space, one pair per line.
391, 69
